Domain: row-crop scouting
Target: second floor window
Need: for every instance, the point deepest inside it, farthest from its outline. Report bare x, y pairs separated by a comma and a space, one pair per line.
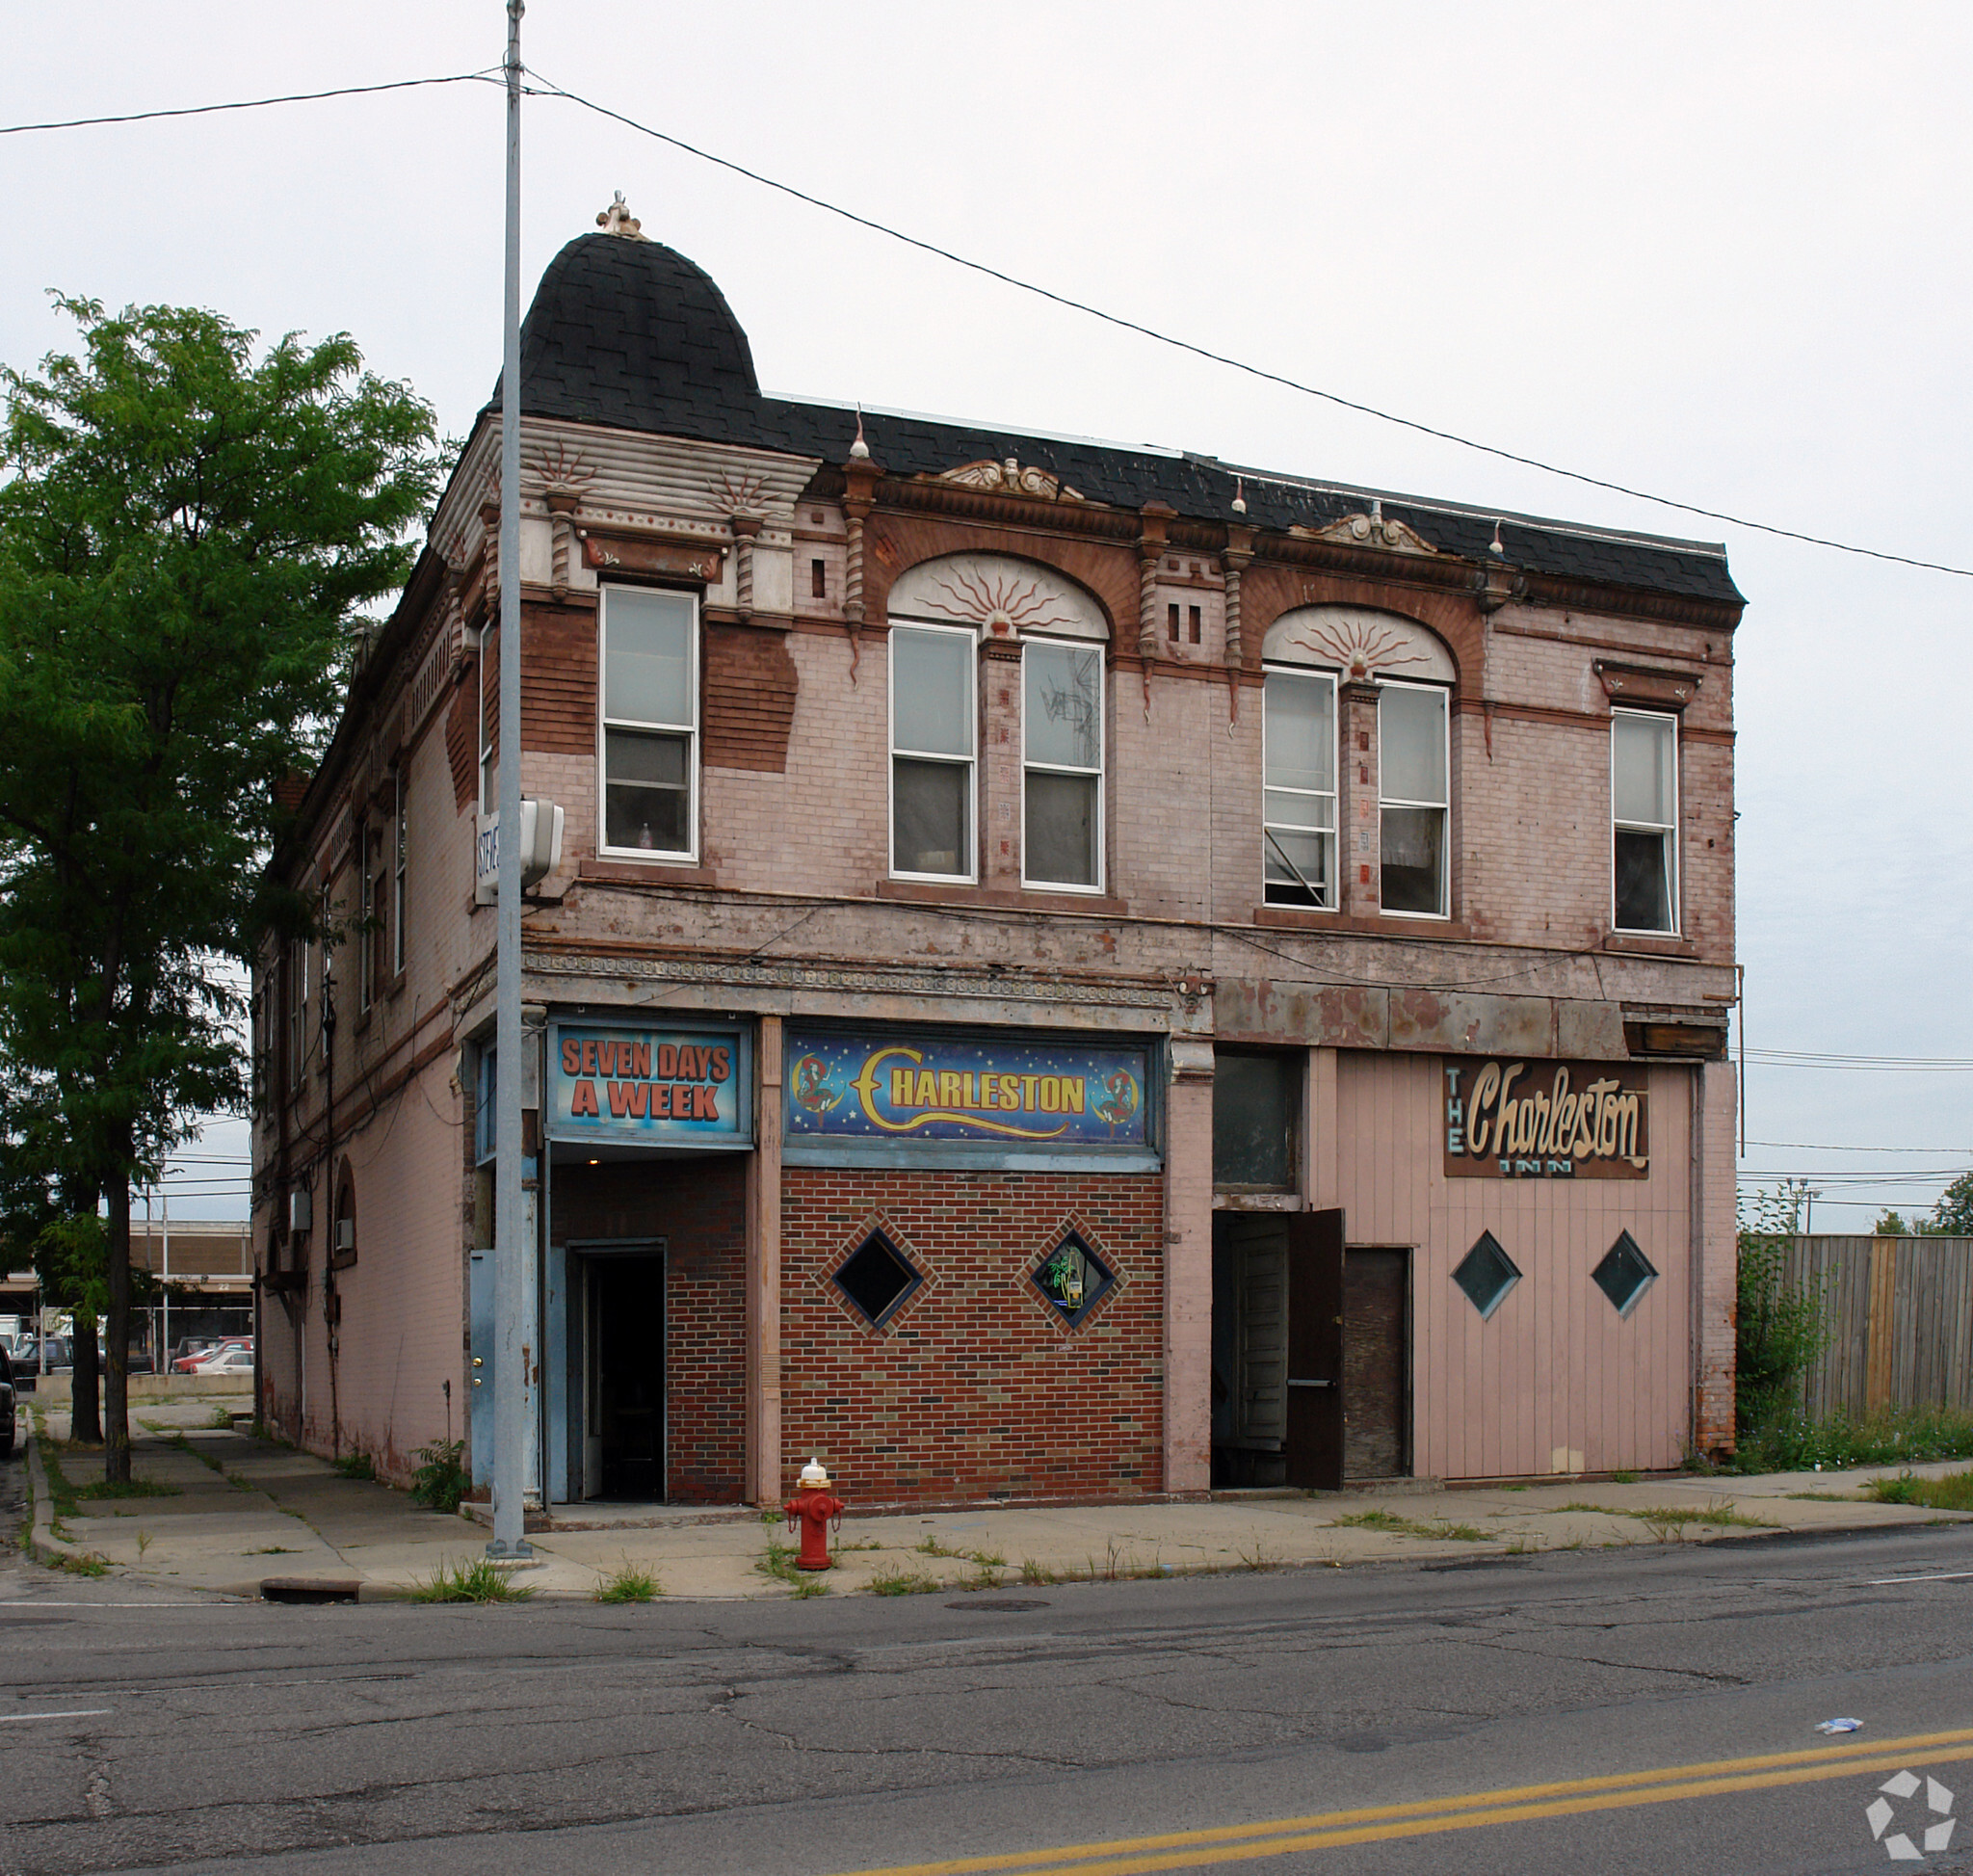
932, 729
651, 721
369, 849
1414, 799
397, 872
1062, 783
1643, 810
1299, 797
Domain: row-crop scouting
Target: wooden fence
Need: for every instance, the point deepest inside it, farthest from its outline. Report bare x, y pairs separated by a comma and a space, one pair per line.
1901, 1322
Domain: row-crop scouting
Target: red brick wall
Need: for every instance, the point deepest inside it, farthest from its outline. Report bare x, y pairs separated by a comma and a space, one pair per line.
699, 1208
973, 1389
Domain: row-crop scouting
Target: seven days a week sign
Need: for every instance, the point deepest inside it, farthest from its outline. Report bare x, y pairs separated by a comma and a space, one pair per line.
1048, 1096
1507, 1120
655, 1087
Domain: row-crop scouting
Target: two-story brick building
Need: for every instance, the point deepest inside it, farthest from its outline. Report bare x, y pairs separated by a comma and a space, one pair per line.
1070, 971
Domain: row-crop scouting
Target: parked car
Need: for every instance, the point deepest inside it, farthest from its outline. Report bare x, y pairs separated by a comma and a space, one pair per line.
200, 1350
56, 1355
6, 1405
228, 1360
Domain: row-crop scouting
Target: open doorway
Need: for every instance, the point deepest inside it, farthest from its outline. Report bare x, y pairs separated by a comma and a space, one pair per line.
624, 1380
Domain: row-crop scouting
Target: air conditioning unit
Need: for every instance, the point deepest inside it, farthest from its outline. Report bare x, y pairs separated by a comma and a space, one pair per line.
345, 1233
300, 1211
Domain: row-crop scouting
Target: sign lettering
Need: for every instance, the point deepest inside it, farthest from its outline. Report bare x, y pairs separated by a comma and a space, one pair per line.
1507, 1120
657, 1087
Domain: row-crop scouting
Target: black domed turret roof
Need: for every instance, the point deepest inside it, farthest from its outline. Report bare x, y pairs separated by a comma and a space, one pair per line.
631, 333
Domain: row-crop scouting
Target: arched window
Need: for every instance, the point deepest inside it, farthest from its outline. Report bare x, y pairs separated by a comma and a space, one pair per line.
342, 1223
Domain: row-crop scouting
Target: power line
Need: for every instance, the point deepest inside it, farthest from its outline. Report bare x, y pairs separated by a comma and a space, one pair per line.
553, 90
251, 103
1783, 1058
1828, 1146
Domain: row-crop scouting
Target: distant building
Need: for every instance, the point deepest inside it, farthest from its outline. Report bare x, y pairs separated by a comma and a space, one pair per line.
1071, 970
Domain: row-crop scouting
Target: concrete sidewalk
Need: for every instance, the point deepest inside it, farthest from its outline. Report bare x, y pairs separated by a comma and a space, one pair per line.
233, 1511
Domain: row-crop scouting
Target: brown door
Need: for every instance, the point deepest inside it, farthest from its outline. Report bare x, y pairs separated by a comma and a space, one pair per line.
1315, 1350
1376, 1366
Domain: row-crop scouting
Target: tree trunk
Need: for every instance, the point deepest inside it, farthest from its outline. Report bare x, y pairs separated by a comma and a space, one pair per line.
116, 1377
85, 1422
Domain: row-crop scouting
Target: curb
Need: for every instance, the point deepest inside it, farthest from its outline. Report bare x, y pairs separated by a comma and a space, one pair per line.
43, 1545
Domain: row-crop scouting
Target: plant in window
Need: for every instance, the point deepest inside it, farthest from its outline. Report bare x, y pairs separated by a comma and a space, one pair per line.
1073, 1279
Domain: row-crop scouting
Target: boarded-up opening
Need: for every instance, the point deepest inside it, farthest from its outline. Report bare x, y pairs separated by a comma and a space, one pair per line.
1377, 1339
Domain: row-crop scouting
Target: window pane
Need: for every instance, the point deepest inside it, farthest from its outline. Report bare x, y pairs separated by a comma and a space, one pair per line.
1300, 733
1064, 701
1254, 1103
1410, 737
1062, 829
931, 692
1300, 810
647, 673
929, 817
1412, 840
1642, 752
1310, 854
1643, 882
647, 791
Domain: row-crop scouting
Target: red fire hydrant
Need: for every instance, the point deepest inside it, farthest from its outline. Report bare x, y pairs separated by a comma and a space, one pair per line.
814, 1507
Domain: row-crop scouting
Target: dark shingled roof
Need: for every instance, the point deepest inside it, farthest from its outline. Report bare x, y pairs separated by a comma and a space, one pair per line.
631, 334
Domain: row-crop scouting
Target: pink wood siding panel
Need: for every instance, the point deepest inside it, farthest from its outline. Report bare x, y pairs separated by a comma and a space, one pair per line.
1555, 1372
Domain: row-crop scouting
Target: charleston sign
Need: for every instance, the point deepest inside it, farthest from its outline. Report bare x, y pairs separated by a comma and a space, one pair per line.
1547, 1120
921, 1088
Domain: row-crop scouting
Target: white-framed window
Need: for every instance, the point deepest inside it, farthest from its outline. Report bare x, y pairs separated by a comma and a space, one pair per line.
1062, 765
1644, 813
489, 720
1298, 788
934, 733
649, 722
1413, 765
397, 871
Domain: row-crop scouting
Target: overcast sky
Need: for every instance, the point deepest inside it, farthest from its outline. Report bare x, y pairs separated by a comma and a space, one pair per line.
1716, 253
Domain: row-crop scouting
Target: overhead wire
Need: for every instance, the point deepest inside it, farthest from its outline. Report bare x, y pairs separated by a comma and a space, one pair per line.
489, 75
548, 87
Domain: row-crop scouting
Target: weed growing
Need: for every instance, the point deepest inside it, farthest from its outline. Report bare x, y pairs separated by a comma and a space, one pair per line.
357, 1466
632, 1583
145, 1540
1438, 1530
895, 1580
128, 1488
220, 1419
1952, 1492
1623, 1478
91, 1563
777, 1562
440, 1481
1912, 1436
478, 1581
1035, 1575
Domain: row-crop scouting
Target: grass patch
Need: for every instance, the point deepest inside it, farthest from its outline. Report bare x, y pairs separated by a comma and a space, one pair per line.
91, 1563
357, 1466
632, 1583
1913, 1436
1623, 1478
60, 1491
129, 1489
478, 1581
1952, 1492
896, 1581
153, 1426
1440, 1529
1035, 1575
222, 1420
1826, 1497
1668, 1523
777, 1563
932, 1548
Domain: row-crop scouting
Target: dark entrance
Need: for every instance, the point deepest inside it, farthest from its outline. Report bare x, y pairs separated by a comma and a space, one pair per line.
1277, 1349
1377, 1380
626, 1406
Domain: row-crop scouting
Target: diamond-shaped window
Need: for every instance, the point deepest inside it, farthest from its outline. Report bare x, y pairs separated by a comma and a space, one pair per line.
1487, 1273
877, 1277
1073, 1279
1625, 1274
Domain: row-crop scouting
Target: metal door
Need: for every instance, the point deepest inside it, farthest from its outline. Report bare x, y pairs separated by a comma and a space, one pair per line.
1315, 1350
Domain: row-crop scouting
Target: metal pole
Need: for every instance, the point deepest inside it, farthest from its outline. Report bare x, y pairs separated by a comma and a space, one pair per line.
509, 1253
165, 1293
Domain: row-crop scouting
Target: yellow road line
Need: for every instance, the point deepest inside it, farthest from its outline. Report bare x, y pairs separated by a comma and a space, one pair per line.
1468, 1810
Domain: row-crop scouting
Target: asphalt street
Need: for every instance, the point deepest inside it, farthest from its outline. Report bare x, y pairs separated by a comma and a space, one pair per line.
1639, 1709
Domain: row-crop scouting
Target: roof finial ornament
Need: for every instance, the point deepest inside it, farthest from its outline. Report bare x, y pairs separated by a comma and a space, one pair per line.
860, 450
1494, 547
1376, 511
1240, 494
618, 219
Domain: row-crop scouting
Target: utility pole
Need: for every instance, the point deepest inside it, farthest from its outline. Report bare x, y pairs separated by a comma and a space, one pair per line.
512, 1256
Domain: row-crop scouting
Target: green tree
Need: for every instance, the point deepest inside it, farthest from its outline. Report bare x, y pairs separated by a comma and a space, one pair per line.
1892, 1224
188, 536
1952, 1215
